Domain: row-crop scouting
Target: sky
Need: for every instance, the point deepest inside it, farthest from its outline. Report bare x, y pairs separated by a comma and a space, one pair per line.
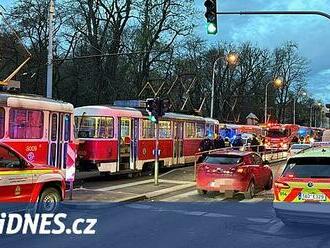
311, 33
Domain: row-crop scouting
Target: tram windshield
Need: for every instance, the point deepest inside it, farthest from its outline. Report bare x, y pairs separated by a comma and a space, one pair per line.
94, 127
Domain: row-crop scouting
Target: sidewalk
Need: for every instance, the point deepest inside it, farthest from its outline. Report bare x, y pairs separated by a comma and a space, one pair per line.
174, 180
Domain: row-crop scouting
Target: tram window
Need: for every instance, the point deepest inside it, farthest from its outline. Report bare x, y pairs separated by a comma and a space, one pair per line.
105, 127
67, 127
2, 122
190, 130
94, 127
124, 128
86, 127
148, 129
200, 130
25, 124
54, 127
165, 129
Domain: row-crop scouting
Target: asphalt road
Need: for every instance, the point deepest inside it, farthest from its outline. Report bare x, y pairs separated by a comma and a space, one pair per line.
211, 224
185, 221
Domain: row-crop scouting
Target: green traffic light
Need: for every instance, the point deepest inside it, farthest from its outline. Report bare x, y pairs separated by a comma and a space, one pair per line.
152, 118
211, 28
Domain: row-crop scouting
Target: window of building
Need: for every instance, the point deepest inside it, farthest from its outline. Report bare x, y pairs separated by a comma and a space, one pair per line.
148, 129
25, 124
165, 129
190, 130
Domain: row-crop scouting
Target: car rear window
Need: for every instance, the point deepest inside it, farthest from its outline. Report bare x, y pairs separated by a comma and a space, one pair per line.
222, 159
308, 168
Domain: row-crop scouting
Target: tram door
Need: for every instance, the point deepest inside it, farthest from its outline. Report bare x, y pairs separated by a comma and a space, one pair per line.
59, 137
124, 140
178, 143
134, 142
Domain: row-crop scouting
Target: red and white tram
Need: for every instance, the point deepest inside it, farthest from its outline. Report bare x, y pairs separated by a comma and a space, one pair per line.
39, 128
121, 139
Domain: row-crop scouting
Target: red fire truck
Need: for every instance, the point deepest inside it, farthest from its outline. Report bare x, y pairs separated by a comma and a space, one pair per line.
280, 136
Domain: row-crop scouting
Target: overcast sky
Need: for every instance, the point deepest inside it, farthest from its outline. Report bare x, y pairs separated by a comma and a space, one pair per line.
312, 33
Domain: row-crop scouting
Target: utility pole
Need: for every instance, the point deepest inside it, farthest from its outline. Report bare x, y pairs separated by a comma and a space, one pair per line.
156, 181
50, 50
213, 82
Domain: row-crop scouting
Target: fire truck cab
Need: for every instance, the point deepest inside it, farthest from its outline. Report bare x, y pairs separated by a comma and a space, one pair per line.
280, 136
24, 184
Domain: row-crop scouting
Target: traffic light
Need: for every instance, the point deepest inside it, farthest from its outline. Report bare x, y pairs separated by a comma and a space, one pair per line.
157, 108
152, 109
211, 16
164, 106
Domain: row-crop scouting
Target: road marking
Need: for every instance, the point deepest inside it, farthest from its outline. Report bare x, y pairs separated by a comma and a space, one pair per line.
174, 181
126, 185
253, 200
259, 220
216, 215
180, 196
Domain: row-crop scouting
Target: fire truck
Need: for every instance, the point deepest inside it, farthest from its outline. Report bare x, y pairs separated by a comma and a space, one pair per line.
280, 136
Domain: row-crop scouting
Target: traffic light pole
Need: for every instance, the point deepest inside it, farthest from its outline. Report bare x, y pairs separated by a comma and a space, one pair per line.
307, 12
156, 155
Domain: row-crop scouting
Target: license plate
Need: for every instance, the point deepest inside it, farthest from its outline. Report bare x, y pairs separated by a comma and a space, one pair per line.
312, 197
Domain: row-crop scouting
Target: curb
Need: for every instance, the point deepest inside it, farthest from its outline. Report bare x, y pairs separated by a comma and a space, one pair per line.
106, 204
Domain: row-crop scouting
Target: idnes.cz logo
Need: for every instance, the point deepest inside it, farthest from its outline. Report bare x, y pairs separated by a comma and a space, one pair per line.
45, 224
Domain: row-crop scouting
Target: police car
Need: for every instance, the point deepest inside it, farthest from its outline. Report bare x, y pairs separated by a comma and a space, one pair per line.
24, 185
302, 192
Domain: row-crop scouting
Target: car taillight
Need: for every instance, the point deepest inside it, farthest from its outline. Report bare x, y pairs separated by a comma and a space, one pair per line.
281, 185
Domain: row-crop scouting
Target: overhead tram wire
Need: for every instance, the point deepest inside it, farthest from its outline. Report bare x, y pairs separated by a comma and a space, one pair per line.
109, 55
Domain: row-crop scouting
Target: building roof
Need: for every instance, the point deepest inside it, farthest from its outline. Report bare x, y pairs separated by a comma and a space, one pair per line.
252, 116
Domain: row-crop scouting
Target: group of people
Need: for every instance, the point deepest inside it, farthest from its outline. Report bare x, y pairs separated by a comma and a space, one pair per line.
219, 142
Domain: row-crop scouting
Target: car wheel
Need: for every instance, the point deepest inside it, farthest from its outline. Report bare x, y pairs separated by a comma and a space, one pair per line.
201, 192
269, 185
49, 200
251, 191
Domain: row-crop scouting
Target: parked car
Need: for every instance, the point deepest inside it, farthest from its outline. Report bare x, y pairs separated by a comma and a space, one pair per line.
24, 185
301, 193
295, 148
233, 171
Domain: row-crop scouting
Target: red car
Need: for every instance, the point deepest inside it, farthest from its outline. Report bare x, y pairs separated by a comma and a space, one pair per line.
233, 171
23, 184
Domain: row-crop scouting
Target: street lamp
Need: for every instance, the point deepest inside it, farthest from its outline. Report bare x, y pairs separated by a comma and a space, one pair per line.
294, 104
232, 59
278, 83
314, 106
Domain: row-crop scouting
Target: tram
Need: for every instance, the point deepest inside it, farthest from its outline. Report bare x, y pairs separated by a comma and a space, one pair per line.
115, 139
38, 128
